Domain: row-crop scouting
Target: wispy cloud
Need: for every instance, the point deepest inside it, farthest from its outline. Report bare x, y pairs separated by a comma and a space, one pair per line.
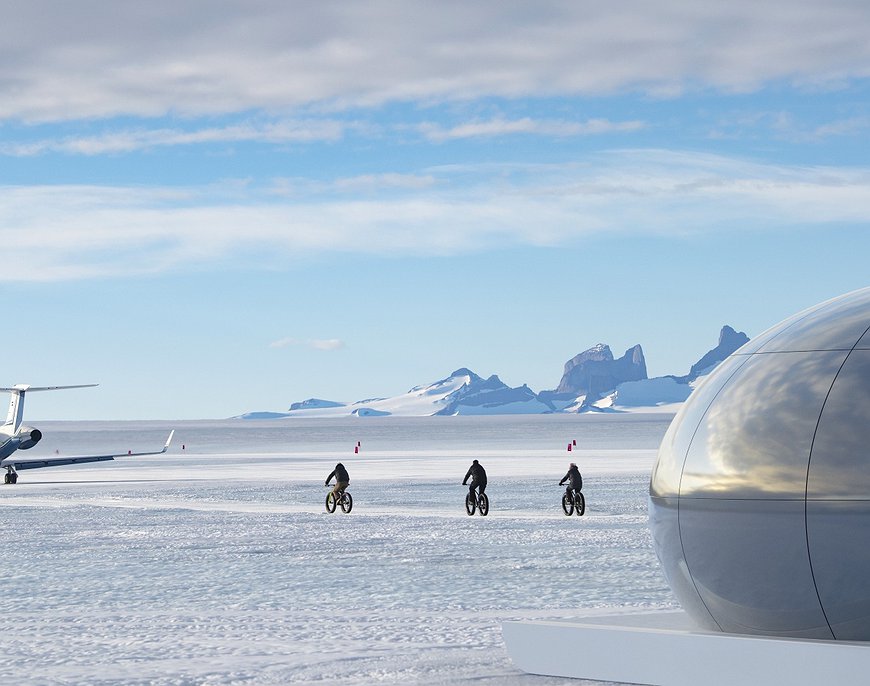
362, 184
143, 139
327, 344
784, 125
60, 62
526, 125
303, 132
842, 127
385, 181
67, 232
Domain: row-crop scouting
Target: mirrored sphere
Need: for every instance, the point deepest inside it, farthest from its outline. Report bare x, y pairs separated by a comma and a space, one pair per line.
760, 496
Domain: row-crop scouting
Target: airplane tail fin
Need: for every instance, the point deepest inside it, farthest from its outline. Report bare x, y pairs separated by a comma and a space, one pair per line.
16, 402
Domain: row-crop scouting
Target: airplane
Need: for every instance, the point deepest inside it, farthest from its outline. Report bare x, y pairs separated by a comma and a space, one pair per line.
16, 436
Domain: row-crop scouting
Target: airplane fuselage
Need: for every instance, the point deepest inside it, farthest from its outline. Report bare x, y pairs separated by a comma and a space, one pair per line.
26, 437
15, 436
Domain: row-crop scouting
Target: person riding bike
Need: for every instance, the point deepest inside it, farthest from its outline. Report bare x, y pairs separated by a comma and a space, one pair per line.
574, 479
478, 478
342, 479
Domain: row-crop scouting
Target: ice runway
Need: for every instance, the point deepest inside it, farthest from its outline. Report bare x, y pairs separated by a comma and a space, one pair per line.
225, 569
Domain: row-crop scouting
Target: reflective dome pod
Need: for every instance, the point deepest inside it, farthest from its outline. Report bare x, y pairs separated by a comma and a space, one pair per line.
760, 496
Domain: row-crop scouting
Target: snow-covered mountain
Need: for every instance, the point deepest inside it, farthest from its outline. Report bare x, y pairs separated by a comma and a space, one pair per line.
593, 381
593, 374
667, 393
463, 392
478, 396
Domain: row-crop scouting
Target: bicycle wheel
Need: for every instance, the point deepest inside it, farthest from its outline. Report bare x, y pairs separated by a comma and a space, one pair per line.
330, 502
580, 503
470, 503
346, 502
483, 504
567, 504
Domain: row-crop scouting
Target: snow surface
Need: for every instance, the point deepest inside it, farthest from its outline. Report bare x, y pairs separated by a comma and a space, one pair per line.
662, 394
217, 564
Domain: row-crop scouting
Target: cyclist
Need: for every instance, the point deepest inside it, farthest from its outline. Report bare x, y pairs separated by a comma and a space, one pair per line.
575, 481
342, 479
478, 478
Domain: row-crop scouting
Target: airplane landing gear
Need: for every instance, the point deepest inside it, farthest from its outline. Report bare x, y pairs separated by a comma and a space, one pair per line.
11, 476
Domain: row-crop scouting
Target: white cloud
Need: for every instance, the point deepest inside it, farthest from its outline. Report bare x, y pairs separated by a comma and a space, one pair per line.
304, 131
66, 60
838, 127
327, 344
385, 181
526, 125
67, 232
783, 125
144, 139
365, 184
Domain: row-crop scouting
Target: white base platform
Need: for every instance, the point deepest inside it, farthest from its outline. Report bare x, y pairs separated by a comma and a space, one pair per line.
663, 649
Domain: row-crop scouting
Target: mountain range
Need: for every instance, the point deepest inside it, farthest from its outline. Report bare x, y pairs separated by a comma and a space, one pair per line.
593, 381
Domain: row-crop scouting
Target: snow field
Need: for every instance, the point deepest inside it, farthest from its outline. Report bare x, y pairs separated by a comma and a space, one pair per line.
169, 594
225, 569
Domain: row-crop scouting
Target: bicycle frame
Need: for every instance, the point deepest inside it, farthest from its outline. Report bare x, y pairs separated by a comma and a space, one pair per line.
343, 499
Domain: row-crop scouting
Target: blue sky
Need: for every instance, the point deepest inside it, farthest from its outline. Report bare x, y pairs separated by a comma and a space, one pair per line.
210, 209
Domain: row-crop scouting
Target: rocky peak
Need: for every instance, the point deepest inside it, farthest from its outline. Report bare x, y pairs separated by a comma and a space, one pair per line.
729, 341
595, 371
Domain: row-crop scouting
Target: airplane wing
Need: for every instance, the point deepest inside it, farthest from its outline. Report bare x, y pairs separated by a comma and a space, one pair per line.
36, 463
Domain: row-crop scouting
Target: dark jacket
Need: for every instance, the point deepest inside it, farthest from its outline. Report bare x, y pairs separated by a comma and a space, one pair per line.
574, 477
477, 474
340, 474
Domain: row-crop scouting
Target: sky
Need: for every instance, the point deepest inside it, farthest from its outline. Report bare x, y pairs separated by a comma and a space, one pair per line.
210, 208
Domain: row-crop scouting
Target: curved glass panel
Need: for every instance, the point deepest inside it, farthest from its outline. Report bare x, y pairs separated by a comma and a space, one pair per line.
835, 325
840, 460
754, 441
864, 343
664, 525
749, 562
668, 468
839, 539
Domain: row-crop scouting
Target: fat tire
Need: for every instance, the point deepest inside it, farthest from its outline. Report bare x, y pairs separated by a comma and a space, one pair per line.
567, 504
346, 502
330, 502
580, 504
483, 504
470, 503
